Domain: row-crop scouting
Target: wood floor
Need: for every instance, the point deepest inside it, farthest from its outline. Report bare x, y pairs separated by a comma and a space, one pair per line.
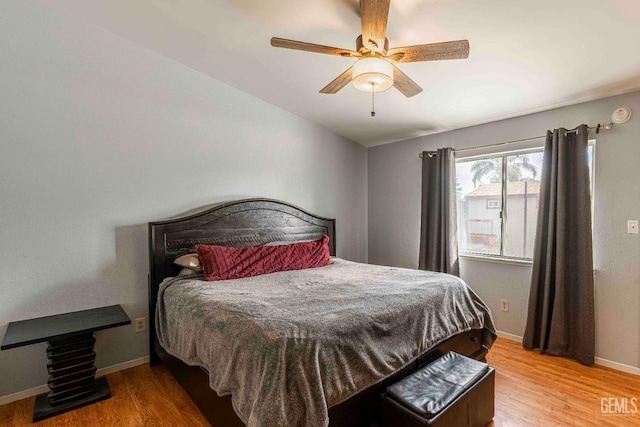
531, 390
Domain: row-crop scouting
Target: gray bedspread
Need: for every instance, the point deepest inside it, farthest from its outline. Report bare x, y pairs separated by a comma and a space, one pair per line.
289, 345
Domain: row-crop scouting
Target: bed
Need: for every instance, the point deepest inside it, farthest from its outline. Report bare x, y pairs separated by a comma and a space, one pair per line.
255, 222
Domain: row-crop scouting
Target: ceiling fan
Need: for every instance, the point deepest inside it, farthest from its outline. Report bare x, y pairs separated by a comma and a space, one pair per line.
375, 69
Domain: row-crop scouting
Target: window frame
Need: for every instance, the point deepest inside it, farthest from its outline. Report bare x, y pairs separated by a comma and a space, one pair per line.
502, 258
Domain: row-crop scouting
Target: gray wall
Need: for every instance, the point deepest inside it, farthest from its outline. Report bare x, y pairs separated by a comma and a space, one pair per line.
99, 136
394, 223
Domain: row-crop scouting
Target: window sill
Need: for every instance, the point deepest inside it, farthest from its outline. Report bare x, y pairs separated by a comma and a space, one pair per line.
498, 260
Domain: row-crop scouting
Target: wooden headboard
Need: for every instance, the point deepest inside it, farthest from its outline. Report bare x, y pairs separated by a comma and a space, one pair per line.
248, 222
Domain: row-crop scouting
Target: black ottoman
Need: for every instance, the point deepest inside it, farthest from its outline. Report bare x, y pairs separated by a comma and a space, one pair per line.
453, 391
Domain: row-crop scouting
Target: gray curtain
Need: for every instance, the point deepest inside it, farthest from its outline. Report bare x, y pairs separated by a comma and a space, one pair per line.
560, 319
438, 230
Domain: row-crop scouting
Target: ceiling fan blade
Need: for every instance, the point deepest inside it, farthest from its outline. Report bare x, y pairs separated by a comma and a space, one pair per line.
310, 47
341, 81
458, 49
374, 14
404, 84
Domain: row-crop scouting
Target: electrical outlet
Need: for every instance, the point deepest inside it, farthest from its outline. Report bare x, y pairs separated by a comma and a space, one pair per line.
632, 226
140, 324
504, 305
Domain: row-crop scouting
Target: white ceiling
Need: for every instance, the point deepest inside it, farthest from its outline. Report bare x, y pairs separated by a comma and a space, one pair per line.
525, 56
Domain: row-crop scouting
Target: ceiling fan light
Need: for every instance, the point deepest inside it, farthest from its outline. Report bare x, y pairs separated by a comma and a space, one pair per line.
376, 71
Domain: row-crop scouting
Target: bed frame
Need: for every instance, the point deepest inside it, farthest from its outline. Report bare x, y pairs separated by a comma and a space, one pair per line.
252, 222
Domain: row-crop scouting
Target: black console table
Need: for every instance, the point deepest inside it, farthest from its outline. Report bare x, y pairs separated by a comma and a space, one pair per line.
71, 357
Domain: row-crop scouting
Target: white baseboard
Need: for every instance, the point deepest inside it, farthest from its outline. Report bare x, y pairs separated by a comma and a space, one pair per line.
617, 366
121, 366
99, 373
509, 336
598, 360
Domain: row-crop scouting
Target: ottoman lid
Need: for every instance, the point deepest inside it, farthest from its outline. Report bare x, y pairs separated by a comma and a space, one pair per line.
430, 389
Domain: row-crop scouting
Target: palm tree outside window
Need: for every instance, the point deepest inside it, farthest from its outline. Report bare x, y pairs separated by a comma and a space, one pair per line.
518, 166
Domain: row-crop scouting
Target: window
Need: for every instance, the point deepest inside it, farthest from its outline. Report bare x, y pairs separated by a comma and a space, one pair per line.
484, 185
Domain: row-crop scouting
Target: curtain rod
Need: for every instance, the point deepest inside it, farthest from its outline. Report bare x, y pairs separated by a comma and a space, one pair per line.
606, 126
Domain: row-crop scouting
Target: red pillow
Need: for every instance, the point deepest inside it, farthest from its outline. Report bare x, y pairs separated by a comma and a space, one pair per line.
222, 262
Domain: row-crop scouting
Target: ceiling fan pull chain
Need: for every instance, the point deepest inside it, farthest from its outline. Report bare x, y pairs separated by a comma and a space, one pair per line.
373, 104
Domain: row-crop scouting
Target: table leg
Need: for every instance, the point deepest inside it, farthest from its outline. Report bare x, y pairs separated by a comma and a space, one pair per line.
71, 377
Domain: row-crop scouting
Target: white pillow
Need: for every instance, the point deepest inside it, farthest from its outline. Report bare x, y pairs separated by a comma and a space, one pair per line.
190, 261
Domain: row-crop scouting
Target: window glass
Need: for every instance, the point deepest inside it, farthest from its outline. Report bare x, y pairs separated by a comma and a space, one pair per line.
499, 218
523, 190
479, 191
